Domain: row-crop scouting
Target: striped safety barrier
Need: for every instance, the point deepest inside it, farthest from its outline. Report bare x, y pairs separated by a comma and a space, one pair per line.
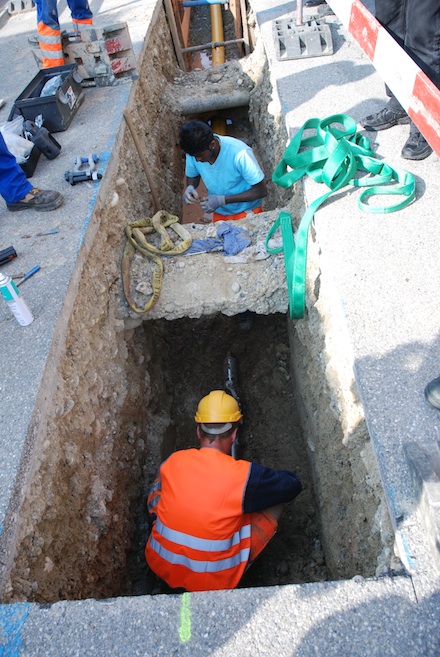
411, 86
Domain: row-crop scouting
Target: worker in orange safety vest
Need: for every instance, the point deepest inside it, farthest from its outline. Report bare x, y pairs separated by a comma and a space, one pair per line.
213, 515
48, 28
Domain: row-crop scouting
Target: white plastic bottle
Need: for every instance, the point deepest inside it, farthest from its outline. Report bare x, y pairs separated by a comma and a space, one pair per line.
15, 301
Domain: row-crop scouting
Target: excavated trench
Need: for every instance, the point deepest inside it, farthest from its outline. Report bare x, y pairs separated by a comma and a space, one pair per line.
127, 386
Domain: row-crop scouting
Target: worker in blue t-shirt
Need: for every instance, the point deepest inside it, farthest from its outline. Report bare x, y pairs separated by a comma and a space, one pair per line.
228, 168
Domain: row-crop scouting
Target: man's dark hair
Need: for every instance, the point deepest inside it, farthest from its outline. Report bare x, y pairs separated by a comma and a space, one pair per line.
195, 137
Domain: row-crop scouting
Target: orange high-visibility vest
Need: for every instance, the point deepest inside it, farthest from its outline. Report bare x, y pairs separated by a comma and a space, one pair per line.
201, 539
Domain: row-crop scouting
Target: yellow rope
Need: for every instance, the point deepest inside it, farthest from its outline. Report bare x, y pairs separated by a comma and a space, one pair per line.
136, 240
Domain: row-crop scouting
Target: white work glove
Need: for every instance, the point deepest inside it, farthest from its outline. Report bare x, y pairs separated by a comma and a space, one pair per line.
212, 202
190, 195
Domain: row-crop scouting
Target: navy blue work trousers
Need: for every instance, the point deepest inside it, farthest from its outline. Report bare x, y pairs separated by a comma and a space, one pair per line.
47, 12
13, 183
415, 24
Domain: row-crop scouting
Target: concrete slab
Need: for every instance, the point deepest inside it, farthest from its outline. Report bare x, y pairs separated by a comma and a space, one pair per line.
385, 269
360, 617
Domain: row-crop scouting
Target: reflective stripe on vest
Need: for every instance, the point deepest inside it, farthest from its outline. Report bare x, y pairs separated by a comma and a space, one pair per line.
155, 486
200, 541
203, 544
199, 566
153, 503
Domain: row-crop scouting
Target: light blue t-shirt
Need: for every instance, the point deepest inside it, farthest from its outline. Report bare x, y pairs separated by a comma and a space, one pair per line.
235, 170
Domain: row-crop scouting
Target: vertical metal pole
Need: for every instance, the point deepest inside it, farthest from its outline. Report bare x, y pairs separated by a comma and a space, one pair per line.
299, 12
218, 54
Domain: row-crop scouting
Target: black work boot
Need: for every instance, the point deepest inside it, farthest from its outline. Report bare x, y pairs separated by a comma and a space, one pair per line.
432, 392
392, 114
37, 199
416, 147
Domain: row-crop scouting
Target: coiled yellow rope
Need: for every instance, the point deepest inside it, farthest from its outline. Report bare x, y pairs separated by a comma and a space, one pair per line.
136, 241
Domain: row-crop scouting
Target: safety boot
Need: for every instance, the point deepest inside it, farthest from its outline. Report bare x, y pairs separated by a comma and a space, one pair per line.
41, 200
416, 146
392, 114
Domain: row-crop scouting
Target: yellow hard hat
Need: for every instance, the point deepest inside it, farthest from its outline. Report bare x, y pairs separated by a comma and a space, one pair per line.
218, 407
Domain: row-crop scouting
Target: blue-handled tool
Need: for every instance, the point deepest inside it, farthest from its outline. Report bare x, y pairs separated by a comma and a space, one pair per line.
29, 274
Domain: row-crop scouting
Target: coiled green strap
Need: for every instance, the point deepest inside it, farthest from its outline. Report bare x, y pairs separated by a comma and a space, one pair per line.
332, 156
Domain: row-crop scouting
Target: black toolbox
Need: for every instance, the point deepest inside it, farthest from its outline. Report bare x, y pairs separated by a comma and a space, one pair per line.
59, 109
31, 163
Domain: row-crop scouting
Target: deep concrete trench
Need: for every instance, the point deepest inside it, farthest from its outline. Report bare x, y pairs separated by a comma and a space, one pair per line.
122, 389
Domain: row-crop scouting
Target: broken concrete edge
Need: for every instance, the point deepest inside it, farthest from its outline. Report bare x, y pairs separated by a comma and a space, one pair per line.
412, 536
424, 463
4, 16
177, 622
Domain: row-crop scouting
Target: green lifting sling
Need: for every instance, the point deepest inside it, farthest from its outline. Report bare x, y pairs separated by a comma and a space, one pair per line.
332, 156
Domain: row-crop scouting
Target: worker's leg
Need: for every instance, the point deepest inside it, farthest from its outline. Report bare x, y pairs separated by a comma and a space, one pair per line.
422, 36
391, 14
49, 33
81, 13
415, 25
13, 183
18, 191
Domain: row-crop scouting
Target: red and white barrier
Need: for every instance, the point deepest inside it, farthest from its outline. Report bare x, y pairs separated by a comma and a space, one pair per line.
411, 86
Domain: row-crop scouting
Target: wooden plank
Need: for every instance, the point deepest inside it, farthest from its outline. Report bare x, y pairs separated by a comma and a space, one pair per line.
185, 21
245, 27
234, 6
174, 33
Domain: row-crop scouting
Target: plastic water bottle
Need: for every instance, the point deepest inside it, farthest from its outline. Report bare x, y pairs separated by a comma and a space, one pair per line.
15, 301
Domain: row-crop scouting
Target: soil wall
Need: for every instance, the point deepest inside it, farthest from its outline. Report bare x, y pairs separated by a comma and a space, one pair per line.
356, 529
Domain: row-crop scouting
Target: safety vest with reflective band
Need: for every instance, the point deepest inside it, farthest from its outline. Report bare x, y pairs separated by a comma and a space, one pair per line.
201, 539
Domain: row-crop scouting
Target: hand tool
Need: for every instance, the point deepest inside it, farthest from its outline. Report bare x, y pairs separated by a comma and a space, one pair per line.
230, 385
7, 254
84, 168
29, 274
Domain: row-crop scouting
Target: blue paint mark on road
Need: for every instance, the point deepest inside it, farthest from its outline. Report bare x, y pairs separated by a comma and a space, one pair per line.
12, 620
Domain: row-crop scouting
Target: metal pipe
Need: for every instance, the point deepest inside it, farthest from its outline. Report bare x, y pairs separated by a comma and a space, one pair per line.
212, 45
299, 12
213, 103
201, 3
218, 54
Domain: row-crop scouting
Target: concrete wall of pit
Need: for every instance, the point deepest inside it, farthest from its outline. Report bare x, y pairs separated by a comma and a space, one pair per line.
100, 432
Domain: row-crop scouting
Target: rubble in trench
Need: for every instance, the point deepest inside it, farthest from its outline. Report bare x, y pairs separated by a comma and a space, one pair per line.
205, 283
